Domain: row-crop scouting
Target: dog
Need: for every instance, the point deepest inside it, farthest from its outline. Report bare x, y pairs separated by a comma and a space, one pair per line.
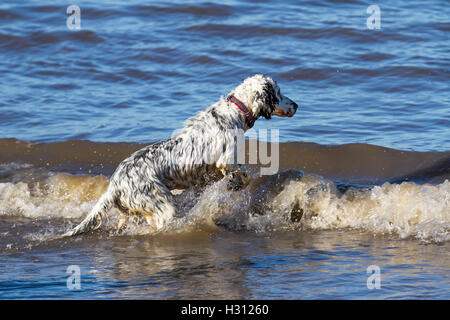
200, 151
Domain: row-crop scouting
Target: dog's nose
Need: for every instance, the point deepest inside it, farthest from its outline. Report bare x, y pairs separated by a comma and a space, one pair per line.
295, 106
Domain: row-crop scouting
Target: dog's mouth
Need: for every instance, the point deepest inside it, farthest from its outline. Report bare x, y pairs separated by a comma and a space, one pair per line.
283, 113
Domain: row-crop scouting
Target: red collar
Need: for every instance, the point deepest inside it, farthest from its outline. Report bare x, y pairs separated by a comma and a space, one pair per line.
248, 115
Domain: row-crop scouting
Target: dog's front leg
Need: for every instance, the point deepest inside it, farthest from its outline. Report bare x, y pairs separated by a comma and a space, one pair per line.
237, 176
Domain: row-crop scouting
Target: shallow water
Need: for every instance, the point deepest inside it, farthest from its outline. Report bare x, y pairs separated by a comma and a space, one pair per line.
229, 265
364, 164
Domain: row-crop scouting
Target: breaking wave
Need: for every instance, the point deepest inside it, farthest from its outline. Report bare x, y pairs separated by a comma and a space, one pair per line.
287, 201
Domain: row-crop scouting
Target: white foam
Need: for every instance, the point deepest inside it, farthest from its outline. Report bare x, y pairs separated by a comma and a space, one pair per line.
406, 210
61, 195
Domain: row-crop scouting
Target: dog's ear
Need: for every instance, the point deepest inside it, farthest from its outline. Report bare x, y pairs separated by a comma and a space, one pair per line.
228, 97
268, 100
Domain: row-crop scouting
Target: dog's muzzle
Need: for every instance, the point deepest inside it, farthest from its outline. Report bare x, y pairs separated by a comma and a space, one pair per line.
286, 108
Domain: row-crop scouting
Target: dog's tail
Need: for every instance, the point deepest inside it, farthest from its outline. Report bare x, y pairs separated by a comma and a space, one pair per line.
94, 219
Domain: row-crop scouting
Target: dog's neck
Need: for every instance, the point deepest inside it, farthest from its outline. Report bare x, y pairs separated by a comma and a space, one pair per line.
249, 118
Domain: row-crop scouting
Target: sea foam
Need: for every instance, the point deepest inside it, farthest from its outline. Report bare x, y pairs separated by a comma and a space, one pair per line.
286, 201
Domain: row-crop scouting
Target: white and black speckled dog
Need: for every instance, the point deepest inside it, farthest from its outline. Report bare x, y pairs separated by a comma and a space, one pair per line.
141, 184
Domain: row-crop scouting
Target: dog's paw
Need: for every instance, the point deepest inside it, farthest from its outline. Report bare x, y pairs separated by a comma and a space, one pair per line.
238, 180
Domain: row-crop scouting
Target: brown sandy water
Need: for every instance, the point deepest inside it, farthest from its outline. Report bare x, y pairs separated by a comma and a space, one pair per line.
231, 244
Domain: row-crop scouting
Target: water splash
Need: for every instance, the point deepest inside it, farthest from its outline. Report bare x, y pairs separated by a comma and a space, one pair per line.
286, 201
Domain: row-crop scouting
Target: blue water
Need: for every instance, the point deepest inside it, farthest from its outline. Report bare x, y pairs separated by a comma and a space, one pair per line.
296, 266
137, 69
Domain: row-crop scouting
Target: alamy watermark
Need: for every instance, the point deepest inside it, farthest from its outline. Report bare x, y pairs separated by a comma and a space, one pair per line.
229, 148
73, 282
258, 150
73, 22
374, 280
374, 21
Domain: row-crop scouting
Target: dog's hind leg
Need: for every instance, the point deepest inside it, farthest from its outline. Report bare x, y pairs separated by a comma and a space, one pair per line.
95, 217
156, 204
122, 220
124, 215
160, 214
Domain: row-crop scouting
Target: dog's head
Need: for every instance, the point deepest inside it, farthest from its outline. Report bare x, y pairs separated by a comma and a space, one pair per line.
263, 96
